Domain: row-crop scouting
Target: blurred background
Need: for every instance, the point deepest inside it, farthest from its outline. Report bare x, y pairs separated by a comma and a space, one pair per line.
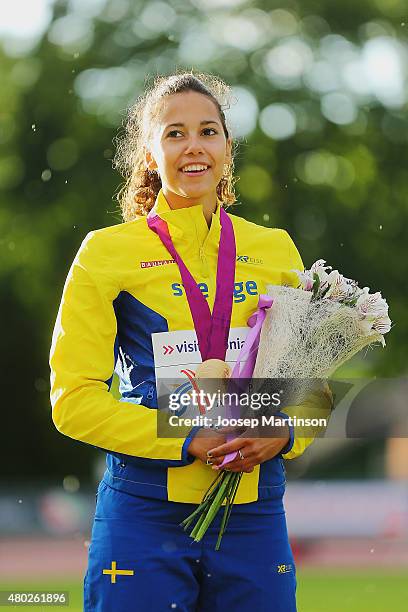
320, 115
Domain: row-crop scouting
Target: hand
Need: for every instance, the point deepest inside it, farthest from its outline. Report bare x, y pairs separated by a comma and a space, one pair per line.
254, 450
203, 441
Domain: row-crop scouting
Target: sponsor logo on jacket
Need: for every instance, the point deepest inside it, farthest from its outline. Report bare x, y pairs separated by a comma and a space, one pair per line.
241, 290
284, 568
156, 262
256, 261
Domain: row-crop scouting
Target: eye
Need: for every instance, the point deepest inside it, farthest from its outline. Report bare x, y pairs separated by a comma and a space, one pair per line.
210, 130
172, 133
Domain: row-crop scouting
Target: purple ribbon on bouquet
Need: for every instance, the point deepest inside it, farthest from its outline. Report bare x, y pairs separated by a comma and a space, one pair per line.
248, 354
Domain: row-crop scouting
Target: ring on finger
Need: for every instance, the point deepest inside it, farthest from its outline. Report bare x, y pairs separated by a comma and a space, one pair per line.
208, 461
241, 456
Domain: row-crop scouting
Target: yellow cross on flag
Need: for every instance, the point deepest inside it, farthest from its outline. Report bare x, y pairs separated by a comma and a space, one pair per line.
117, 572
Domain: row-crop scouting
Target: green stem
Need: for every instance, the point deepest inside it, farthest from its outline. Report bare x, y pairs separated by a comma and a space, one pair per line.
201, 508
198, 525
208, 497
215, 506
226, 510
212, 486
227, 513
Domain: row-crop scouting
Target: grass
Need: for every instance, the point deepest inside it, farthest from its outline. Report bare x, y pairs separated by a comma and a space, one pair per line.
319, 590
361, 590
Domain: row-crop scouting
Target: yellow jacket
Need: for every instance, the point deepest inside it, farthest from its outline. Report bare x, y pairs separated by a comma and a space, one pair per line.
121, 288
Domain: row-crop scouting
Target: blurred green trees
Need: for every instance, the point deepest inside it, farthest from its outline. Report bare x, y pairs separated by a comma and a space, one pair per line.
322, 124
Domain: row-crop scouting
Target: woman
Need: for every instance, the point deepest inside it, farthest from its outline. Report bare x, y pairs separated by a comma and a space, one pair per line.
127, 302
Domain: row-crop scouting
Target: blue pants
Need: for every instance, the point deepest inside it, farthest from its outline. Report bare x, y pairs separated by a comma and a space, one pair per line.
141, 560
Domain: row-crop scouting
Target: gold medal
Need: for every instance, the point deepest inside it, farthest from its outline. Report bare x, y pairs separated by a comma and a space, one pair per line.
213, 368
212, 376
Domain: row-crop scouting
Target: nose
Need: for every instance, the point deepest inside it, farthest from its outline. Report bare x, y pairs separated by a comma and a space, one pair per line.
194, 145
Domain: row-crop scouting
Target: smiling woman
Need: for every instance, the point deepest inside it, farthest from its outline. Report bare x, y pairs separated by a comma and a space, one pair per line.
188, 152
176, 138
124, 310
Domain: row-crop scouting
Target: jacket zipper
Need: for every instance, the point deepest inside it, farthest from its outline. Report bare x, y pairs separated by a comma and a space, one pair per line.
203, 260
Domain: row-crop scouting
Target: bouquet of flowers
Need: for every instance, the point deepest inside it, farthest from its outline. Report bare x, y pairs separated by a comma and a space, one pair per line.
311, 332
308, 333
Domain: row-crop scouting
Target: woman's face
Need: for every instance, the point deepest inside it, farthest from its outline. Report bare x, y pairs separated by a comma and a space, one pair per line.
188, 146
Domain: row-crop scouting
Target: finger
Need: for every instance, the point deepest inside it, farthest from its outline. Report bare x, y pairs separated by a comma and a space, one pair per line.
214, 461
244, 456
224, 449
245, 452
240, 465
217, 461
237, 464
228, 466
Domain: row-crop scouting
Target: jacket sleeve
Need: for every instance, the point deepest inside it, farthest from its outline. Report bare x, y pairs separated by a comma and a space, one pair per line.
82, 364
319, 402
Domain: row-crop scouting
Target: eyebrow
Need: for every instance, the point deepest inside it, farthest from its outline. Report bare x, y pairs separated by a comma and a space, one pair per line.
206, 122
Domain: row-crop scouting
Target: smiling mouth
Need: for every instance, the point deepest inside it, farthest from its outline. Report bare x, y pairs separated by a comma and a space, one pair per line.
195, 169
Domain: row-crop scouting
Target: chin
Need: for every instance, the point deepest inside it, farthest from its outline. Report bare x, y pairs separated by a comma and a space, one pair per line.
198, 191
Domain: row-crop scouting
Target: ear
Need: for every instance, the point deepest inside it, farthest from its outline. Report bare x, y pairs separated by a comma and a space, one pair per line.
149, 160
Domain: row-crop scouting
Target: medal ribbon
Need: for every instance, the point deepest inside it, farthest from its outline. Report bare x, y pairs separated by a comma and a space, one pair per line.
212, 329
245, 364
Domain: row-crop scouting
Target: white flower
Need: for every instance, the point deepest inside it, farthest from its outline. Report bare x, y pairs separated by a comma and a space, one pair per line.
382, 325
371, 307
353, 290
341, 288
319, 264
374, 312
337, 289
305, 279
319, 269
371, 304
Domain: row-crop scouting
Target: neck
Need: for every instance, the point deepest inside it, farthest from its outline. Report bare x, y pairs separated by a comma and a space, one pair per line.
208, 202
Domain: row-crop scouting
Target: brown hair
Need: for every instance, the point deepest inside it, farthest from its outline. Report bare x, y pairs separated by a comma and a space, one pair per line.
138, 194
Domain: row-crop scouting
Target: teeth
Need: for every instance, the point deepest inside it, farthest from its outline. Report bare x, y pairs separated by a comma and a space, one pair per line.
195, 167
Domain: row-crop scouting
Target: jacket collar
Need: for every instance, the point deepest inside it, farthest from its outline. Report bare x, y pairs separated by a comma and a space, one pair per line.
189, 223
